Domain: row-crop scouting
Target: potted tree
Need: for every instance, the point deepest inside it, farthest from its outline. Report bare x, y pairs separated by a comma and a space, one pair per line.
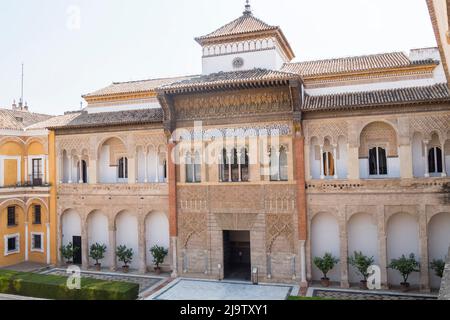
361, 263
67, 252
159, 254
125, 255
97, 252
406, 266
325, 264
438, 266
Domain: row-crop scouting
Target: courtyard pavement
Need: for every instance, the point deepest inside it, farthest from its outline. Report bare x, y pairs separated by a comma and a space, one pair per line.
349, 294
188, 289
27, 267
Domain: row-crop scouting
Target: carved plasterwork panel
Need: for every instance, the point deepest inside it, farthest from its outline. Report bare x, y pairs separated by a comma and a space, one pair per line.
191, 224
323, 129
279, 225
236, 221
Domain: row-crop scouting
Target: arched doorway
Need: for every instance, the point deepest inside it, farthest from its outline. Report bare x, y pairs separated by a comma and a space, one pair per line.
438, 242
127, 234
98, 232
71, 232
156, 233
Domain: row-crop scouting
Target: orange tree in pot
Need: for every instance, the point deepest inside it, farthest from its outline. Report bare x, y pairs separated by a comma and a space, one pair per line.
159, 254
124, 255
97, 252
361, 263
406, 266
325, 264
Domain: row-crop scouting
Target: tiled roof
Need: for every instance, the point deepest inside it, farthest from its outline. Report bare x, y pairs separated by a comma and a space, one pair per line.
247, 23
91, 120
228, 78
134, 86
352, 64
19, 120
55, 121
437, 92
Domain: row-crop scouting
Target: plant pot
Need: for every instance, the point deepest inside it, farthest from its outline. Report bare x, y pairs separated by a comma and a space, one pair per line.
405, 286
363, 285
125, 269
98, 266
157, 270
69, 263
325, 282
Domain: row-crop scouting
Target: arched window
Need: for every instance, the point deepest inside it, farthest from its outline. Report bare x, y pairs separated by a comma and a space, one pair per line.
83, 171
278, 164
123, 168
234, 166
377, 161
193, 168
435, 160
328, 164
165, 170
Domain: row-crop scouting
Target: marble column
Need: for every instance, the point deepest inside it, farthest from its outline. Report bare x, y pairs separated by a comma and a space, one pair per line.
84, 246
423, 249
112, 247
344, 254
427, 172
80, 171
157, 167
322, 169
444, 169
335, 161
70, 168
142, 248
382, 247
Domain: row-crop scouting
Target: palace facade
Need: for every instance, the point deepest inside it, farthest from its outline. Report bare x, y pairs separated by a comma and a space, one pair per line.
260, 164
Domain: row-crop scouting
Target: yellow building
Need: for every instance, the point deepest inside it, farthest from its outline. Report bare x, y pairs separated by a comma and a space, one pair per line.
25, 215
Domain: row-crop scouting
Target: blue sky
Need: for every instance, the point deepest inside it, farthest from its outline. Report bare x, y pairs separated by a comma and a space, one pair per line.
119, 40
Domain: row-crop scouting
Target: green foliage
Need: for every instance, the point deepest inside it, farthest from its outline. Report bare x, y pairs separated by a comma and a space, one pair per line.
54, 287
361, 263
97, 252
68, 251
405, 265
124, 254
326, 263
159, 254
438, 266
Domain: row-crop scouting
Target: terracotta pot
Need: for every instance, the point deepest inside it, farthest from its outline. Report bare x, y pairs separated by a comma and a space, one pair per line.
98, 266
405, 286
325, 282
363, 285
157, 270
125, 269
69, 263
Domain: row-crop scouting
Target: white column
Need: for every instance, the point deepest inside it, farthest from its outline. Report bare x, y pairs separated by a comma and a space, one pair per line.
26, 241
70, 168
48, 243
80, 171
193, 168
146, 166
335, 161
322, 171
427, 173
278, 163
444, 169
229, 166
239, 166
61, 168
157, 167
47, 171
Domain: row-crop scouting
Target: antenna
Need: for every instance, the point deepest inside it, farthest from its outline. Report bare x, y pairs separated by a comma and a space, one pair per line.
21, 89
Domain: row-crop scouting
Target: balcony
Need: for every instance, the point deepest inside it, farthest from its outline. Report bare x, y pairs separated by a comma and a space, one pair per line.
32, 181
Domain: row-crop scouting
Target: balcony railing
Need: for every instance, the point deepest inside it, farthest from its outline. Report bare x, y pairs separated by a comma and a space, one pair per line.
35, 180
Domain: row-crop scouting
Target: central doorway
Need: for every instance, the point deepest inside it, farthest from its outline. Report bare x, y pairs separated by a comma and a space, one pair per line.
237, 255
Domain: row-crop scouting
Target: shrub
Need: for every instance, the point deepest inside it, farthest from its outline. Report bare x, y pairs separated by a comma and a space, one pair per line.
326, 263
405, 265
159, 254
68, 251
438, 267
124, 254
361, 263
54, 287
97, 252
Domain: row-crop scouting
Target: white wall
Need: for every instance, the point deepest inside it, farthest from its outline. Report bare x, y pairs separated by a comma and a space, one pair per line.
71, 226
265, 59
402, 238
157, 233
314, 164
325, 238
418, 156
107, 174
342, 161
98, 232
362, 236
141, 166
438, 242
393, 168
127, 234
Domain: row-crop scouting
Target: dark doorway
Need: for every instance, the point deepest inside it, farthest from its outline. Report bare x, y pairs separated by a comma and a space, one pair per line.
236, 255
84, 171
76, 249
